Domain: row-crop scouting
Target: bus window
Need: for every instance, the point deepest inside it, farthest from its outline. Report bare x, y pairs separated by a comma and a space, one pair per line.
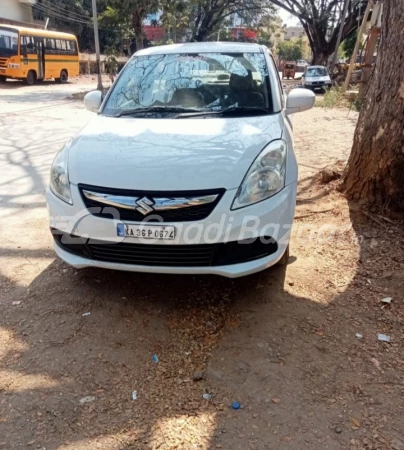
8, 43
73, 46
28, 44
50, 45
31, 44
58, 46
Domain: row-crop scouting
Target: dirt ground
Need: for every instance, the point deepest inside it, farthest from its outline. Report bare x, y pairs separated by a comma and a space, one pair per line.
297, 347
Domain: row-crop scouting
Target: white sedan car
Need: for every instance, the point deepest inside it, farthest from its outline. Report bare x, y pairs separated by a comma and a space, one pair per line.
188, 166
316, 77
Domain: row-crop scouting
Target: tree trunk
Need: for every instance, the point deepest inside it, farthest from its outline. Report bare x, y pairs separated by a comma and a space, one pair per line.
201, 34
375, 170
320, 56
137, 21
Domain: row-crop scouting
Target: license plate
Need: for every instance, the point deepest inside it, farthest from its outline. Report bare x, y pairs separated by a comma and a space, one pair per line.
162, 232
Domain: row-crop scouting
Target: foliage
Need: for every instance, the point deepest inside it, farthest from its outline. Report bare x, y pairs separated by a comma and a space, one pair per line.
348, 44
206, 17
264, 38
333, 98
357, 104
75, 16
290, 50
175, 19
134, 11
321, 20
111, 61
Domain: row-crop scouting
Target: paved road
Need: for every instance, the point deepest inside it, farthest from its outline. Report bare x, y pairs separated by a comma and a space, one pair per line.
34, 122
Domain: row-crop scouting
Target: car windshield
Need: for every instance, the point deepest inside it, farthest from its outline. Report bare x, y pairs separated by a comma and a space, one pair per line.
191, 82
8, 42
317, 72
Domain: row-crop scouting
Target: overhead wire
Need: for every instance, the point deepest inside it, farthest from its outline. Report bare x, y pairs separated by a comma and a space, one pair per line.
50, 6
58, 15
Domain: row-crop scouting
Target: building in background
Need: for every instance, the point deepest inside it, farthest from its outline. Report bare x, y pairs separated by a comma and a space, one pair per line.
295, 33
17, 12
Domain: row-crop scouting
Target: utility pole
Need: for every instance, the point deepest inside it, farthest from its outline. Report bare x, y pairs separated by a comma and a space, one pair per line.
358, 41
97, 45
341, 28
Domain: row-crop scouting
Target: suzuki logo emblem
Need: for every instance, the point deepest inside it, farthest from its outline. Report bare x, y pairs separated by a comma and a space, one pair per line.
145, 205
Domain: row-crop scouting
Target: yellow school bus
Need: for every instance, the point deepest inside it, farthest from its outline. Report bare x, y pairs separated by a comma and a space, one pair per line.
32, 54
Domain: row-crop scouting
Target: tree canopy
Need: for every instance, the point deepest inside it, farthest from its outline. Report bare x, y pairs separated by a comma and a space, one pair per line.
290, 50
122, 20
75, 16
321, 20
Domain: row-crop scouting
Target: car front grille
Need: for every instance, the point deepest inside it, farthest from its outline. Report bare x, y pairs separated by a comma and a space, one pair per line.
178, 214
3, 62
170, 255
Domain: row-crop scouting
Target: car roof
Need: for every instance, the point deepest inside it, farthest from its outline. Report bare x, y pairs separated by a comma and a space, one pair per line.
203, 47
316, 67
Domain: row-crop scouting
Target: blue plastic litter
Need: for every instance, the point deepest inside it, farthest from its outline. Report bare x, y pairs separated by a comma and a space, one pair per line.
235, 405
155, 358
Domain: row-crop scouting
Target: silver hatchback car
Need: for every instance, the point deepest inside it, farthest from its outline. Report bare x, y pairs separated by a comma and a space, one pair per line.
316, 77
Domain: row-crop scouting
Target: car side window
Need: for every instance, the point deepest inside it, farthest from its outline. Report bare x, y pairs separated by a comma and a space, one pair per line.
279, 83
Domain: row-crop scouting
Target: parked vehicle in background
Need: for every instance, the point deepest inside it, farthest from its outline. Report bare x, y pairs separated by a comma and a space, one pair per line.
316, 77
302, 62
32, 54
301, 65
188, 166
289, 70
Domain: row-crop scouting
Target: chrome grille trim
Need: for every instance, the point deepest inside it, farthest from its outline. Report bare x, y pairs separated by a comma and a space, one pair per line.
157, 203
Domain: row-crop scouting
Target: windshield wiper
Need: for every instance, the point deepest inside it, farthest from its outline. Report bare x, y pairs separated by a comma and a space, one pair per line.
152, 109
231, 110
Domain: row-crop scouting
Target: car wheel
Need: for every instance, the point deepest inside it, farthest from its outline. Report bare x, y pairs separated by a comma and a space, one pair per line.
31, 78
2, 79
63, 77
285, 258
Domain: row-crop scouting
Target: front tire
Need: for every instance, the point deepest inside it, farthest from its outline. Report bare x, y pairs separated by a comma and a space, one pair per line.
3, 79
31, 78
63, 77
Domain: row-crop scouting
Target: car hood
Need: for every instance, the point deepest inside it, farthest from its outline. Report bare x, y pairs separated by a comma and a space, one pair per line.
169, 154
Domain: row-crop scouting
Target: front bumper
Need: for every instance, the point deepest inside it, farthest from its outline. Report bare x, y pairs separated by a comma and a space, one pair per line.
270, 218
318, 85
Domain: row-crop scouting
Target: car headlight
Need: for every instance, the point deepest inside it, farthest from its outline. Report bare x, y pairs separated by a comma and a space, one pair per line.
59, 176
265, 177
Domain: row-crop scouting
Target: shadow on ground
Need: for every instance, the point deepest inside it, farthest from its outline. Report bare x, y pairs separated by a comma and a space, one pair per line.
293, 362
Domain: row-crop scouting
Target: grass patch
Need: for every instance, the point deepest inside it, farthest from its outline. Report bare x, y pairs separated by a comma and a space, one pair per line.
337, 98
334, 98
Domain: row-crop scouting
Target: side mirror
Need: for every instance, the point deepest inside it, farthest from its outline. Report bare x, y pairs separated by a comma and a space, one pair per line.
93, 100
299, 100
